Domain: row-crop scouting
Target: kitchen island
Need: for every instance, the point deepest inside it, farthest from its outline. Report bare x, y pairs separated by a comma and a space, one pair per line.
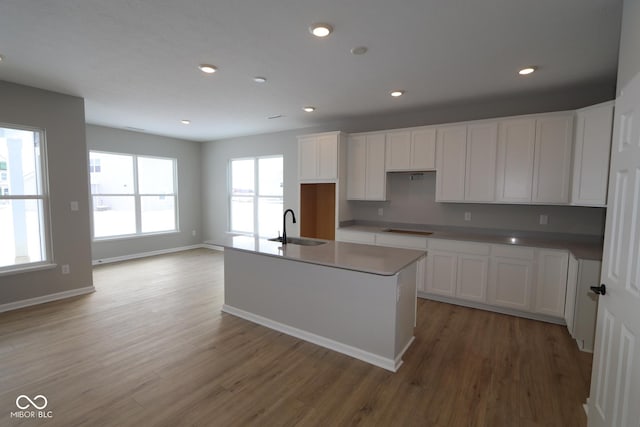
356, 299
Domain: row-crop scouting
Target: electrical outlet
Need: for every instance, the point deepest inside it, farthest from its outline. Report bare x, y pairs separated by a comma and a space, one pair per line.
380, 211
66, 269
193, 232
544, 219
74, 206
467, 216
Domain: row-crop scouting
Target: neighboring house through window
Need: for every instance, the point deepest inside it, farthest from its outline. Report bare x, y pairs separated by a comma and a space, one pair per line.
24, 212
256, 195
132, 194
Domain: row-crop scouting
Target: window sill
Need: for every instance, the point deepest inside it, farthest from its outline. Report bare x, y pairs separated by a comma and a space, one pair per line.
134, 236
27, 269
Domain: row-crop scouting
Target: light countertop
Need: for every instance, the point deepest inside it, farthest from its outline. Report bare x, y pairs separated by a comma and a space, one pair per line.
581, 247
379, 260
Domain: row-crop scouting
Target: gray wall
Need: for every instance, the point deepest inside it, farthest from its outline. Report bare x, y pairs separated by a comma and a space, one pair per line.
62, 117
413, 202
629, 59
187, 154
216, 154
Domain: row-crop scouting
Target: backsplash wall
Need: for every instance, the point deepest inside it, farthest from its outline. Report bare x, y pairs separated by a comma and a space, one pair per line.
413, 202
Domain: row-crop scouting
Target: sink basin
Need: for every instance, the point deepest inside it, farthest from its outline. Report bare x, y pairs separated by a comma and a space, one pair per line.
418, 232
298, 241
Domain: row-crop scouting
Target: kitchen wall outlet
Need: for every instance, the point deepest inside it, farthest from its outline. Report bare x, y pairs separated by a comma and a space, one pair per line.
467, 216
193, 232
544, 219
380, 211
74, 206
66, 269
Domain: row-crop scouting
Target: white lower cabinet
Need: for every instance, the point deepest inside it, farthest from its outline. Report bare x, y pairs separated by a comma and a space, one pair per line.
511, 277
457, 269
551, 282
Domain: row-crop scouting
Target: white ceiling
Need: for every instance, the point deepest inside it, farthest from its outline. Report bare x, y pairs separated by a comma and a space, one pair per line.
135, 61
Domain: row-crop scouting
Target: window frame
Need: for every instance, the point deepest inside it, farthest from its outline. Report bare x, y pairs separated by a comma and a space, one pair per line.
136, 195
46, 237
256, 193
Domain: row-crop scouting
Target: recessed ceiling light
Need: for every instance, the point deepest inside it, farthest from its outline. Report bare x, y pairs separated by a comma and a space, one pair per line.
259, 79
185, 122
320, 30
309, 109
360, 50
397, 93
208, 68
526, 71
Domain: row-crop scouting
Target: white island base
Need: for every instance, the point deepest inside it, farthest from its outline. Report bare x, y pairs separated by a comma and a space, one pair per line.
367, 316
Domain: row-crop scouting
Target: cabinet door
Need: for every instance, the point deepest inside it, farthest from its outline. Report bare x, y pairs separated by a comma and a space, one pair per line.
510, 282
441, 273
398, 151
423, 149
482, 144
356, 167
591, 156
516, 142
472, 274
376, 177
570, 303
451, 159
554, 137
551, 283
307, 159
327, 152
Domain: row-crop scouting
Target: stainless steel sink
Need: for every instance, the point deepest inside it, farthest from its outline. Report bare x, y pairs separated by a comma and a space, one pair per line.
298, 241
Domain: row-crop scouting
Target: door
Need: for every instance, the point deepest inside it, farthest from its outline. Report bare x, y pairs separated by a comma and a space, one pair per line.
615, 377
398, 151
552, 164
516, 143
375, 176
451, 158
482, 143
472, 277
441, 273
307, 158
551, 282
423, 149
356, 167
327, 156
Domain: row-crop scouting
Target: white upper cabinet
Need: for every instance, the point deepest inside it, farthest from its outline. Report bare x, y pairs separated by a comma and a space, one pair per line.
552, 165
366, 176
451, 157
591, 155
534, 159
466, 162
516, 144
480, 176
411, 150
318, 157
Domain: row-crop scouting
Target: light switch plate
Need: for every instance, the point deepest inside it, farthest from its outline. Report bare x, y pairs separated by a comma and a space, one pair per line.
65, 269
74, 206
380, 211
467, 216
544, 219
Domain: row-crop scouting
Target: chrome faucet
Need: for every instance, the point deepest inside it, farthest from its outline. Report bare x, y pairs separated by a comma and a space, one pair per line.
284, 224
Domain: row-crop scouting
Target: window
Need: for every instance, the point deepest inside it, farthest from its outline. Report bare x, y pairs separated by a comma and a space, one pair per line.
256, 195
24, 218
132, 194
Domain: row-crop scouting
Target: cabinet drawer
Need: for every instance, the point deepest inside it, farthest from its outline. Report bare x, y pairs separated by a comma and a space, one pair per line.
512, 252
356, 236
409, 242
459, 247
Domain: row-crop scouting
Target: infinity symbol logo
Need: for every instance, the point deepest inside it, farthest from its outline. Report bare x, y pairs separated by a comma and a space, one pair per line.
23, 397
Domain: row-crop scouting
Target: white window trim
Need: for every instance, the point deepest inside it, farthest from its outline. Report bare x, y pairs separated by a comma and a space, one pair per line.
137, 198
46, 235
256, 197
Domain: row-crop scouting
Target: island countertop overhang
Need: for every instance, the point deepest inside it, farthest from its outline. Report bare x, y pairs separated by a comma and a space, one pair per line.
384, 261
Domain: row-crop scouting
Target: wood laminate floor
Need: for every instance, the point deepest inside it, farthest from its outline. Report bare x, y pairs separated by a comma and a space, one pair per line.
151, 348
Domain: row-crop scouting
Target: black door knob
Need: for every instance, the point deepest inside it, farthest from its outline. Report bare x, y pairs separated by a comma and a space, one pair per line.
600, 290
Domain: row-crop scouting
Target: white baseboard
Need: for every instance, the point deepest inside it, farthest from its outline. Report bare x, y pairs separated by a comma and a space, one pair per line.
46, 298
501, 310
374, 359
152, 253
